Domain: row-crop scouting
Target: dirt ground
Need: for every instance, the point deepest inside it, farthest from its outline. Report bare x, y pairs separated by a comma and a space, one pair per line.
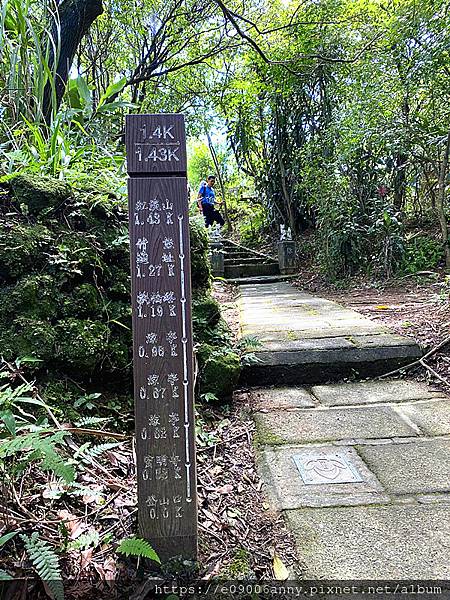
417, 307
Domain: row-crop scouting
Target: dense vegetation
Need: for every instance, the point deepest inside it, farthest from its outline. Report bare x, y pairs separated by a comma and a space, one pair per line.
331, 117
334, 113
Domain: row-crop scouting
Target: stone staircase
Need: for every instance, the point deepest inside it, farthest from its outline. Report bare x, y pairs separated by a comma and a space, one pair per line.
241, 262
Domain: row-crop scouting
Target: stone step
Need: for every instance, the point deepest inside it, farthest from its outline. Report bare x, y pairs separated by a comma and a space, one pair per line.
233, 248
240, 254
257, 280
257, 260
307, 340
250, 270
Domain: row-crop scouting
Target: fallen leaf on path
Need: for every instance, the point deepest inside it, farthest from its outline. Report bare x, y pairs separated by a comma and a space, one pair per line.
86, 557
279, 569
225, 489
73, 524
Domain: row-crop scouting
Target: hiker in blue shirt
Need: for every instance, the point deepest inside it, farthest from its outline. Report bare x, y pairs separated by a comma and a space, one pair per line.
206, 201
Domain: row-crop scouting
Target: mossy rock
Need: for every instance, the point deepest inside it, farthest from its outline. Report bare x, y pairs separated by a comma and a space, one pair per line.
240, 566
76, 254
28, 337
200, 266
205, 312
220, 371
23, 248
81, 343
35, 296
39, 194
65, 292
84, 301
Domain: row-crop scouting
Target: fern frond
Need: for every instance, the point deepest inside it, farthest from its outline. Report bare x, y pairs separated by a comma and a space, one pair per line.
90, 421
249, 342
4, 576
98, 450
137, 547
85, 541
250, 359
40, 447
77, 489
53, 462
46, 563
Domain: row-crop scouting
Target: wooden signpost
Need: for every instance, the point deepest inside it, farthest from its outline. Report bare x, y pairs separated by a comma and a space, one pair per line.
162, 333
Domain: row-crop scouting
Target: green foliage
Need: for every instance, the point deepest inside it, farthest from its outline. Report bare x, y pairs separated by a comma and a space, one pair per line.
200, 164
422, 253
89, 452
85, 541
252, 222
4, 539
41, 447
46, 563
200, 267
137, 547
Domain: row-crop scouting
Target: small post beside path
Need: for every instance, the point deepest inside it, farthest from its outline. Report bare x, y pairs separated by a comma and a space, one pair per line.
162, 333
286, 257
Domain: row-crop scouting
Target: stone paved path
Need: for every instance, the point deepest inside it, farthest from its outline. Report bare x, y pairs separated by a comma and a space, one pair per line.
306, 339
361, 471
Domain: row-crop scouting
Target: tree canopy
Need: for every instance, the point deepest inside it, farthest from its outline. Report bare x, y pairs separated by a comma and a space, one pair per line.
336, 111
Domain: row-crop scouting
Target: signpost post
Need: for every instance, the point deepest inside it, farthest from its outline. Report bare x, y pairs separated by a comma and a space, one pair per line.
162, 333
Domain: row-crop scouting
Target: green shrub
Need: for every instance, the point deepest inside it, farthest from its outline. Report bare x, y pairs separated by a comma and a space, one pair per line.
422, 253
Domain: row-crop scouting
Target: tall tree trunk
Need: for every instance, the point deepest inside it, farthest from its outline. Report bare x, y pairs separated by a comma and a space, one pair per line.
440, 200
401, 161
286, 193
221, 183
75, 19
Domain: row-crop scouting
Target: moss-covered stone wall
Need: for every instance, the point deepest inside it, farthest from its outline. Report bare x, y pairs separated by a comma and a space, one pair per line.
65, 286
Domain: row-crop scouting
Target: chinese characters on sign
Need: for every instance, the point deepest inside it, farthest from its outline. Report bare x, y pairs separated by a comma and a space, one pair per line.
162, 333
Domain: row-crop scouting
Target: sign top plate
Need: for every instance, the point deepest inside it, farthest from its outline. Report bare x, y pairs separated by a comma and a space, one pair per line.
155, 144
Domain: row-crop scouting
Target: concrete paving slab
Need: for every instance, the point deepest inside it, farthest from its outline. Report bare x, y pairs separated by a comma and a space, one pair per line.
287, 490
390, 339
415, 467
266, 330
282, 315
281, 397
368, 392
321, 425
307, 344
291, 335
433, 417
373, 542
